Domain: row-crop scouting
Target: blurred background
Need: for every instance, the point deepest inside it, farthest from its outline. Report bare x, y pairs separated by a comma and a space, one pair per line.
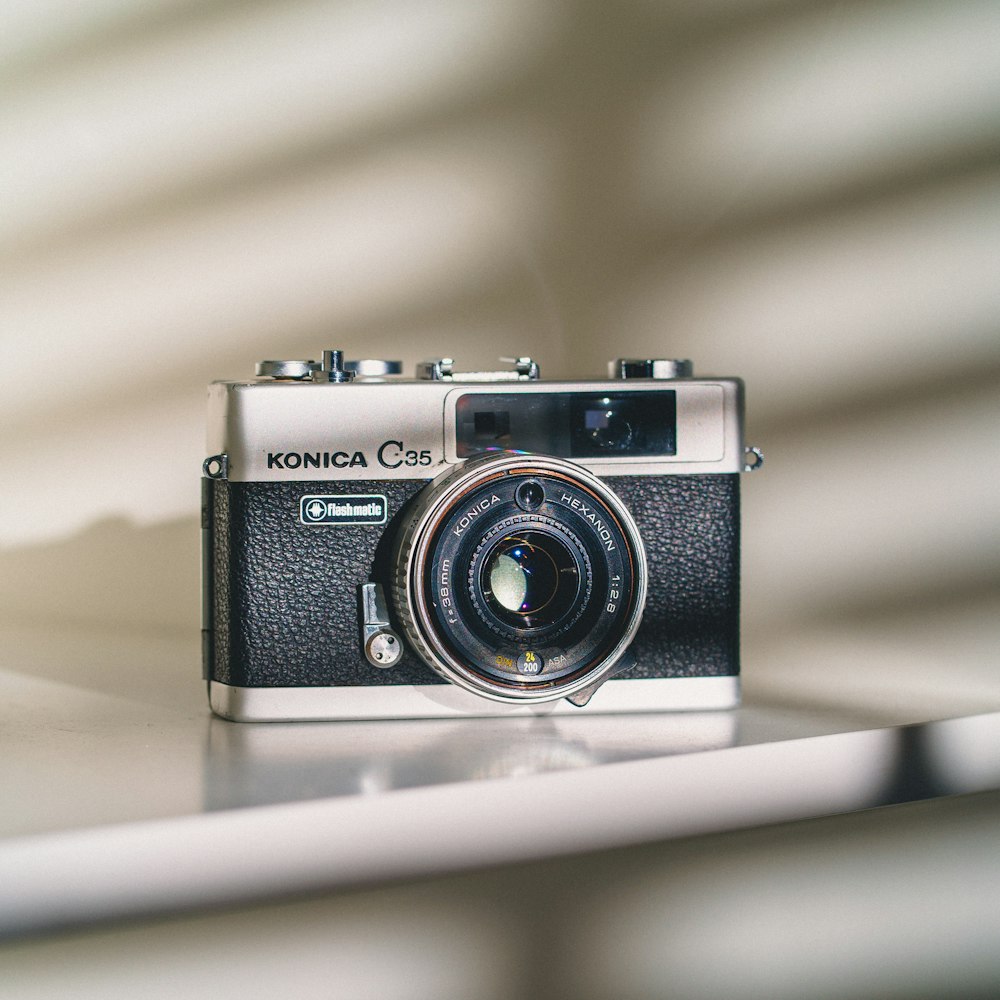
805, 194
802, 193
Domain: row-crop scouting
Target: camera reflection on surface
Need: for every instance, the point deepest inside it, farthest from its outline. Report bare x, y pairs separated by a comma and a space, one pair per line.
259, 764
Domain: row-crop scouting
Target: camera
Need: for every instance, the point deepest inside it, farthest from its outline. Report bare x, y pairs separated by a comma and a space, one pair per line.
471, 543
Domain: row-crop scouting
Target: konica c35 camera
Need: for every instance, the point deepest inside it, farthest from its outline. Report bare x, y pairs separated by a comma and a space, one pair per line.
477, 543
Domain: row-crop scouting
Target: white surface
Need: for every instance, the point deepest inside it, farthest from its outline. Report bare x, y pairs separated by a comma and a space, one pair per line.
234, 856
242, 855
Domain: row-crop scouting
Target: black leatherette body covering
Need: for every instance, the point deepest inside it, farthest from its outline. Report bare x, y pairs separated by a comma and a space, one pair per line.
283, 600
691, 529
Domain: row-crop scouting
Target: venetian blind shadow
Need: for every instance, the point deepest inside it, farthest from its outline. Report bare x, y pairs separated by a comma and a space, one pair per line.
114, 576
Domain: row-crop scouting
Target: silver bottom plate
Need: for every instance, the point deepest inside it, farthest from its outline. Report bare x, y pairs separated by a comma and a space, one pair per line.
441, 701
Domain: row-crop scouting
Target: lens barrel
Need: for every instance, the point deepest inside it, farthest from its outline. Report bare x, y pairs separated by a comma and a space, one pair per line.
521, 578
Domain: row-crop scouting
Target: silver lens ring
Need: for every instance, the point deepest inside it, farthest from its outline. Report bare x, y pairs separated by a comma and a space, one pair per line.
419, 535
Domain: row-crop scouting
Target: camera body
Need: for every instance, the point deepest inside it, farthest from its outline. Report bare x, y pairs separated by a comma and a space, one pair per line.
479, 543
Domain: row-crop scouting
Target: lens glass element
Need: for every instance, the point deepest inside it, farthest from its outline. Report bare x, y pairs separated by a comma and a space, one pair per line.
530, 580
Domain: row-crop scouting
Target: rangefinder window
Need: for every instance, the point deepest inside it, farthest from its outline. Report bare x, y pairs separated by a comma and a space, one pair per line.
623, 424
569, 425
535, 422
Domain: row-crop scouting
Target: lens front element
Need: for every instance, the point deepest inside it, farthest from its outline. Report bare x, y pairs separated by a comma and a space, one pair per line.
530, 580
510, 579
520, 601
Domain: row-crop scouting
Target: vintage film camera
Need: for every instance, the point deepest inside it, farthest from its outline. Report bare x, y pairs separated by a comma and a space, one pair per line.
478, 543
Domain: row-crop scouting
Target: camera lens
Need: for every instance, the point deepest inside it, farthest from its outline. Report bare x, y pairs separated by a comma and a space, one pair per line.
529, 580
519, 577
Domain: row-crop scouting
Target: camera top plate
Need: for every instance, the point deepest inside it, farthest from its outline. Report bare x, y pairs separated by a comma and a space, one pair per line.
292, 425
